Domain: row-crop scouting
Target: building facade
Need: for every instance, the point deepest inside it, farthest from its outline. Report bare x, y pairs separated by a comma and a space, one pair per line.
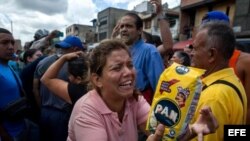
242, 18
144, 6
192, 12
84, 32
18, 45
150, 22
106, 21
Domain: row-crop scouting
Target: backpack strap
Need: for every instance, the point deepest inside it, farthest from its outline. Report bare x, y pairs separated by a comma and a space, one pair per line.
229, 84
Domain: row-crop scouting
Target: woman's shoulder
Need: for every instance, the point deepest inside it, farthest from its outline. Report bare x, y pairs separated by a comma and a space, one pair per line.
87, 99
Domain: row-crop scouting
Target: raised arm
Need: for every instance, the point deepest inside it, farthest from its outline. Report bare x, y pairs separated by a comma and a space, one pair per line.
45, 41
166, 36
57, 86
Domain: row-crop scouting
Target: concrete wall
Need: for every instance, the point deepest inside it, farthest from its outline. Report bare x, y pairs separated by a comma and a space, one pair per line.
18, 45
242, 18
199, 8
79, 30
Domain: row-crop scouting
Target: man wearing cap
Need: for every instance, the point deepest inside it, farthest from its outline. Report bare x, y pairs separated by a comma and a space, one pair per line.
238, 61
213, 47
55, 112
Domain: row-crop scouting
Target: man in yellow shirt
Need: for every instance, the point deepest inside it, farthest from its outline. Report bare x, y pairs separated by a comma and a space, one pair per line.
212, 48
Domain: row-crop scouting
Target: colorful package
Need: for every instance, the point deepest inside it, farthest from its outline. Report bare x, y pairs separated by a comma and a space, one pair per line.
175, 100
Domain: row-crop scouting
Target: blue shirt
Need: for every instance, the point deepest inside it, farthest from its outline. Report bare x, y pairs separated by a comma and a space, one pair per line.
148, 64
9, 91
9, 86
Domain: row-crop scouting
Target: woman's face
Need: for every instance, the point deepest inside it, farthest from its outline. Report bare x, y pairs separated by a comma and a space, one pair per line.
118, 76
175, 58
36, 55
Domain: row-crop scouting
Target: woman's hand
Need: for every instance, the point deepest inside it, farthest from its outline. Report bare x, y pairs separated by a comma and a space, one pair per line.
158, 133
72, 55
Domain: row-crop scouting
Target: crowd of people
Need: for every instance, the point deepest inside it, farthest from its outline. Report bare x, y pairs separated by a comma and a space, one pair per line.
57, 91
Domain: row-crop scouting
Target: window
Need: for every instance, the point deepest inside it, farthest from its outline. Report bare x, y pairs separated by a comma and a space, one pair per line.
147, 24
103, 22
172, 22
102, 35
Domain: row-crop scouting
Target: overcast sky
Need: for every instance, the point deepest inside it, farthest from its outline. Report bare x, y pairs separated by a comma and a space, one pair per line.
27, 16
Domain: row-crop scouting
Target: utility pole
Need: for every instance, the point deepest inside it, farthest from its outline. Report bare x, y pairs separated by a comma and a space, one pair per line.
11, 26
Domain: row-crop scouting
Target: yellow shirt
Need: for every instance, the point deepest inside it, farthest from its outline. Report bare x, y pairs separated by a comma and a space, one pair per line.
224, 102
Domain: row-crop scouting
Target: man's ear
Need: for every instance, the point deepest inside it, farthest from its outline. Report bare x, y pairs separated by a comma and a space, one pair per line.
212, 53
96, 79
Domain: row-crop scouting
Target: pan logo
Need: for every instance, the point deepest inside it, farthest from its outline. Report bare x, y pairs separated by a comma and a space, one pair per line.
167, 112
182, 69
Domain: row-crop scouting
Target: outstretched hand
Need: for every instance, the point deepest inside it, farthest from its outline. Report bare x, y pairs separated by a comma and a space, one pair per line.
205, 124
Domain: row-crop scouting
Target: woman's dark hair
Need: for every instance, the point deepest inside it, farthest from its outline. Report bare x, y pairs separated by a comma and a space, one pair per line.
184, 57
28, 53
79, 67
